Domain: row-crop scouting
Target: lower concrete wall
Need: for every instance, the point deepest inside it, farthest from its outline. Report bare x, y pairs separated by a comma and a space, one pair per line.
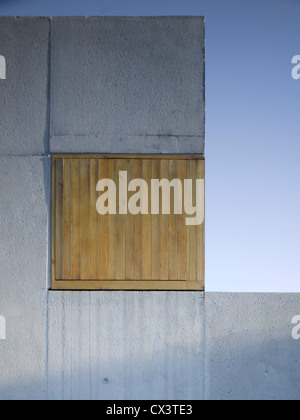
173, 346
127, 345
249, 349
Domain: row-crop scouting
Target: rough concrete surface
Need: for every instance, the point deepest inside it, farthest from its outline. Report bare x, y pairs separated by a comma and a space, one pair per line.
134, 78
24, 43
125, 345
23, 274
127, 144
249, 352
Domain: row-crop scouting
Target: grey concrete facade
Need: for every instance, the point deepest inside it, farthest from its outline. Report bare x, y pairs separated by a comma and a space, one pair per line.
24, 101
139, 85
116, 85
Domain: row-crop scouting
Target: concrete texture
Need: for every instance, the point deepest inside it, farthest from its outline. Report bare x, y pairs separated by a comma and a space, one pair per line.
23, 274
126, 144
110, 345
120, 345
249, 350
164, 345
120, 84
24, 42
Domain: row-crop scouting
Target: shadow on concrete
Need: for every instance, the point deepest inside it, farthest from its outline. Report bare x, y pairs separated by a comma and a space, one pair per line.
258, 379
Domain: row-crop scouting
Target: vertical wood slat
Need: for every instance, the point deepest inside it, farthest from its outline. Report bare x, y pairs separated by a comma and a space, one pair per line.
111, 230
67, 219
147, 226
129, 263
120, 241
173, 268
94, 242
85, 220
155, 240
87, 247
191, 230
137, 272
59, 219
182, 229
103, 228
164, 230
201, 233
76, 219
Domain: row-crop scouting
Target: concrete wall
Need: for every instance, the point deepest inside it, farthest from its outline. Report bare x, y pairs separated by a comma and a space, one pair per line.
116, 85
24, 200
127, 85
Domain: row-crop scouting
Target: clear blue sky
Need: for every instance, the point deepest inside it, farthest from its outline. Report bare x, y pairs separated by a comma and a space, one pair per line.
252, 131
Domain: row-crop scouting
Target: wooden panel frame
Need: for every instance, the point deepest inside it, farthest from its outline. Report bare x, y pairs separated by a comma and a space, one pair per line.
194, 279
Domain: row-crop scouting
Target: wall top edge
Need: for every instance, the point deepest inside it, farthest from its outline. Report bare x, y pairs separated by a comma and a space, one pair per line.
162, 17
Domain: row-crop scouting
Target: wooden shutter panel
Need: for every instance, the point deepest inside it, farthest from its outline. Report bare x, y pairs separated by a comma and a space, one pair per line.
122, 251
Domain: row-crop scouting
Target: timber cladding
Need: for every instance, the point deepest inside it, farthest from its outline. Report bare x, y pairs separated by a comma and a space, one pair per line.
112, 230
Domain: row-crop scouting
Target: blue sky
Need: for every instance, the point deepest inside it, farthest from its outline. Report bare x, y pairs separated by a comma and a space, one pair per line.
252, 132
